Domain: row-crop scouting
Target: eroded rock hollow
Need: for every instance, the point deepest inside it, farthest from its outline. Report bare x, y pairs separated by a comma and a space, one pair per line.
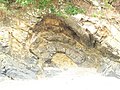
83, 46
61, 42
53, 35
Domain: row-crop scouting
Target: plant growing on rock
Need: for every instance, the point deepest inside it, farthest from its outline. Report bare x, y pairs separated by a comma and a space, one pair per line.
58, 7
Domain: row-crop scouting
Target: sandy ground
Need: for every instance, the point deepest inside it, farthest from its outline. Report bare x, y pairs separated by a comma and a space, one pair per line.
82, 79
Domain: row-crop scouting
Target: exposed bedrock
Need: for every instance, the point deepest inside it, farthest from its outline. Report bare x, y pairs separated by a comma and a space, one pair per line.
84, 46
56, 35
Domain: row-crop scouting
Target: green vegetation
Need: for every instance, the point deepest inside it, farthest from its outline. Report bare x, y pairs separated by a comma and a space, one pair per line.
43, 4
99, 14
107, 3
25, 2
48, 6
4, 1
72, 10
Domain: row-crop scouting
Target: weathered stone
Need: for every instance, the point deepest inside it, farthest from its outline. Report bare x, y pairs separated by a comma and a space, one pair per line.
63, 61
60, 47
46, 55
110, 68
86, 42
51, 48
15, 70
99, 38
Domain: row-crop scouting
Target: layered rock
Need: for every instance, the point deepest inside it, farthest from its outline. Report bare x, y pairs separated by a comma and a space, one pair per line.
55, 35
86, 41
82, 42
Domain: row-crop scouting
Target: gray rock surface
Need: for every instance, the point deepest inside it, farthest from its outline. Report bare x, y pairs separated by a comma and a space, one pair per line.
14, 69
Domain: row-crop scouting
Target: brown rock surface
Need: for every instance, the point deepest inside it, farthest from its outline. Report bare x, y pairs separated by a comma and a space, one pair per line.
53, 35
63, 42
57, 35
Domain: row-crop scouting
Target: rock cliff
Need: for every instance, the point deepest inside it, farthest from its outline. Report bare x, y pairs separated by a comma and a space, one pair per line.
31, 48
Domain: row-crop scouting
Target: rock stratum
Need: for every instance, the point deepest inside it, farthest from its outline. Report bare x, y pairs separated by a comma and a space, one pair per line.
60, 42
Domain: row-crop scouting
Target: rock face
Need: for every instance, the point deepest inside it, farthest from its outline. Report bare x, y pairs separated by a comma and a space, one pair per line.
13, 69
54, 35
85, 46
60, 42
